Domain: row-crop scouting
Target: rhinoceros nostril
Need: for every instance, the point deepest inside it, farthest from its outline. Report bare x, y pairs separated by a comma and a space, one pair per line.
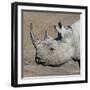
37, 60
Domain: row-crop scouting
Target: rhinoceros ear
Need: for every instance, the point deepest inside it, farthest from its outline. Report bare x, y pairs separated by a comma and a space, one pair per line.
60, 29
46, 36
33, 37
60, 25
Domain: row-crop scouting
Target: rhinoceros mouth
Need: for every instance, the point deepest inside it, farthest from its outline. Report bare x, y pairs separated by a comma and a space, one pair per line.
39, 61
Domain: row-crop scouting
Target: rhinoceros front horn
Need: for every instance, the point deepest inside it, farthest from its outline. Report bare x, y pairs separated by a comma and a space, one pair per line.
33, 37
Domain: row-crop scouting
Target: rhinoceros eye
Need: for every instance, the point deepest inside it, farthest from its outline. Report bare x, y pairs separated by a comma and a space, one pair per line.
52, 49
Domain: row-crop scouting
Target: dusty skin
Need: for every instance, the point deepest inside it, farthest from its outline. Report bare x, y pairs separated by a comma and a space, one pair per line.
44, 21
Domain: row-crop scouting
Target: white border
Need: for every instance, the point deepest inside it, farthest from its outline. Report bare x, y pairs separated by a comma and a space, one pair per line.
46, 79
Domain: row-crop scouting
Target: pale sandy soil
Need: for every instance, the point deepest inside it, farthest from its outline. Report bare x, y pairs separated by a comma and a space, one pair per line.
41, 22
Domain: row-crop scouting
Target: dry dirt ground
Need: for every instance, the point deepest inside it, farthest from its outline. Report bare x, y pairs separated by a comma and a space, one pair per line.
44, 21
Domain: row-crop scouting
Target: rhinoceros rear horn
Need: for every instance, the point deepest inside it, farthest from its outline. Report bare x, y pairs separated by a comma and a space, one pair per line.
46, 36
33, 37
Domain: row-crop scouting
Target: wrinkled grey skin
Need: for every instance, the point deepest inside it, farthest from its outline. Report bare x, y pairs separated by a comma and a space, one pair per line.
54, 52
